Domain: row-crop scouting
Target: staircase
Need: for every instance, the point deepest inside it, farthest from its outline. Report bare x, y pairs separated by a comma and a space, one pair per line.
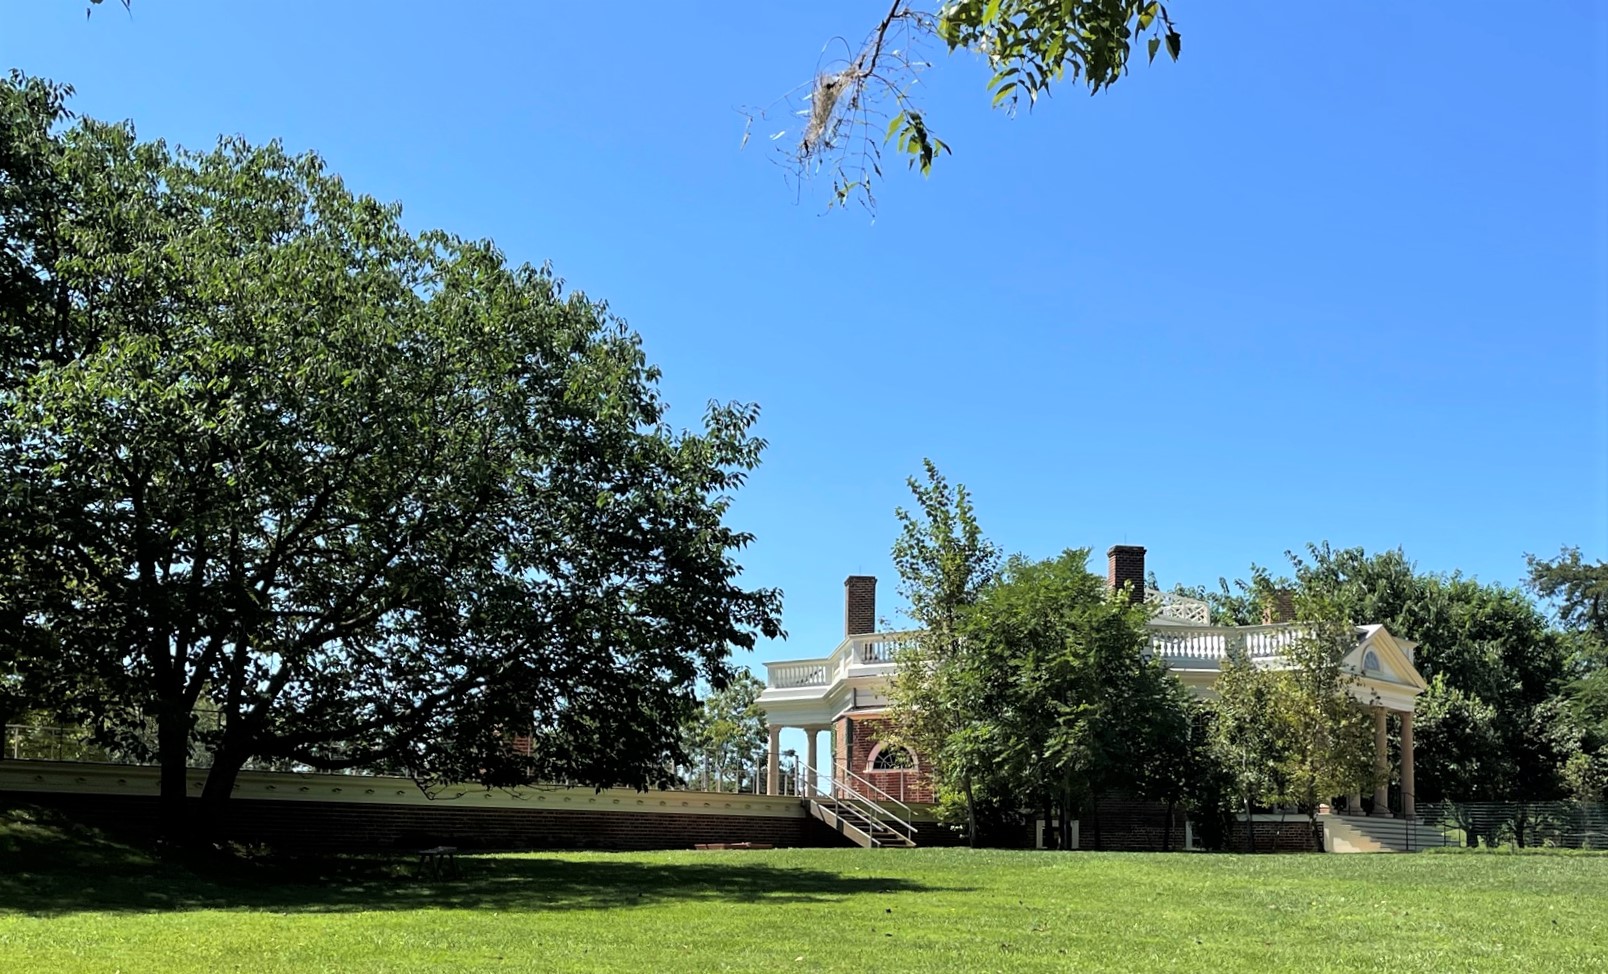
1346, 833
882, 822
860, 826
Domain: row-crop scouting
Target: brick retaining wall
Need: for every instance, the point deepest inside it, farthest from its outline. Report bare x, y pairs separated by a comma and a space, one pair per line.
1290, 835
355, 813
315, 812
1131, 825
307, 826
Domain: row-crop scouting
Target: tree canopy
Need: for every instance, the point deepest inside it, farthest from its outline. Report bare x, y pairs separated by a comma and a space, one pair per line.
1028, 690
1078, 708
1578, 591
728, 727
283, 480
1506, 714
1488, 643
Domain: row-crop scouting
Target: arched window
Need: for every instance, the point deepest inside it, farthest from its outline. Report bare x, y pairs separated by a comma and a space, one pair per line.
1370, 661
892, 759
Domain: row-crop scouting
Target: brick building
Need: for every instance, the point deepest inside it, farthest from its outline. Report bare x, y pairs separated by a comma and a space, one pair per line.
844, 692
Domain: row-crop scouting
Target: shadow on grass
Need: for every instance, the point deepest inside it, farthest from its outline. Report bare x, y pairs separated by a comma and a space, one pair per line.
49, 867
507, 884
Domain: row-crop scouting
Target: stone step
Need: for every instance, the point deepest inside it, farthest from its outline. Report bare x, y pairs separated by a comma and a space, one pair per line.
1359, 834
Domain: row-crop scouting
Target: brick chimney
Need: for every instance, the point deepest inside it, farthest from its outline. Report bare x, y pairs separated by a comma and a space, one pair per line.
859, 605
1280, 608
1126, 563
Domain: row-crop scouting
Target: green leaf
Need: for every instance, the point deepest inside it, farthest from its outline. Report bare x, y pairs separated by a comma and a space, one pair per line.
1154, 45
893, 126
1175, 44
1003, 92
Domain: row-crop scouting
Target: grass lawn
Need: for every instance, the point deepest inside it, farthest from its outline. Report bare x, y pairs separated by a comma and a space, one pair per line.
71, 902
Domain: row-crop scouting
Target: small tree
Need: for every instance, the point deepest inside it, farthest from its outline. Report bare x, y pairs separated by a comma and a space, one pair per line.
1327, 732
943, 561
729, 726
1293, 732
1044, 628
1175, 764
1459, 747
1247, 736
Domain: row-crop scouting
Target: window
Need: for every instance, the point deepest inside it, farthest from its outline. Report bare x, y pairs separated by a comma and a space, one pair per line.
892, 759
1370, 661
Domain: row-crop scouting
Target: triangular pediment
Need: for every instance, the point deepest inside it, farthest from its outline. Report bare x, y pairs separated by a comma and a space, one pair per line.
1379, 656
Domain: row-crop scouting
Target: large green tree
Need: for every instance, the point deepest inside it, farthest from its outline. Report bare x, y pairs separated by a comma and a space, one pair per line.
1076, 708
282, 480
1490, 644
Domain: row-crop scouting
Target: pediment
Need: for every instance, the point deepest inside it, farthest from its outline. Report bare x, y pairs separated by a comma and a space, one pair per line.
1379, 656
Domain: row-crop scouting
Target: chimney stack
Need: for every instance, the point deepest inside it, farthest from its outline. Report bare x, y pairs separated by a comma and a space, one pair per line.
859, 605
1127, 564
1280, 608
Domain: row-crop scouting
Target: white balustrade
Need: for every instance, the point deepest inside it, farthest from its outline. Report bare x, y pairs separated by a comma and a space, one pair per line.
803, 673
1221, 642
882, 647
1172, 643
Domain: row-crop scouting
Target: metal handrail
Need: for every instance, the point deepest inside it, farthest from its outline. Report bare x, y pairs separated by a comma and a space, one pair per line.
857, 778
875, 811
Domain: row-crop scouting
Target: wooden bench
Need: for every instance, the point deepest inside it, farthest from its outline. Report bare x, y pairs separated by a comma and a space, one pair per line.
438, 861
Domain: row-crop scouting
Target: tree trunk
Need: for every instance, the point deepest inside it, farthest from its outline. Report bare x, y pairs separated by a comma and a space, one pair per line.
1094, 819
173, 756
971, 812
1063, 825
1250, 833
6, 714
221, 777
1167, 825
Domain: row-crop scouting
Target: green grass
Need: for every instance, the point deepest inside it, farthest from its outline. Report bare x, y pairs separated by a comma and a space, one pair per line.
70, 901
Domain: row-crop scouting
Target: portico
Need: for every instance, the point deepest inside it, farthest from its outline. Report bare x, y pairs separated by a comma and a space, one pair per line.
773, 755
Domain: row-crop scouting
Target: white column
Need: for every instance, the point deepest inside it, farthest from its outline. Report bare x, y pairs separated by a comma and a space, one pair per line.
1381, 765
773, 763
1408, 803
813, 733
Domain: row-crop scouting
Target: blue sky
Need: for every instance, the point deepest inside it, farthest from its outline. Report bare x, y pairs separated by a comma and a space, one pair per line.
1339, 274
